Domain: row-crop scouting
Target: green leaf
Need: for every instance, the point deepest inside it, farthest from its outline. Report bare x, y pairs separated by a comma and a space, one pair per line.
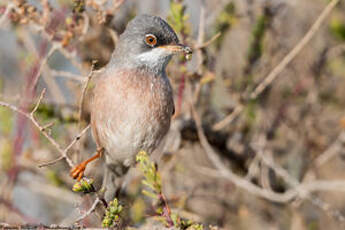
150, 194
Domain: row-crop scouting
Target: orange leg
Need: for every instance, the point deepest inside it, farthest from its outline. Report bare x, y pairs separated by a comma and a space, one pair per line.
78, 171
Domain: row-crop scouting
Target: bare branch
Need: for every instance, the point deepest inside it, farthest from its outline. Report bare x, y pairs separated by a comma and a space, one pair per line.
51, 162
91, 210
42, 129
297, 190
207, 43
38, 102
68, 75
282, 65
65, 151
77, 138
304, 189
228, 119
223, 171
83, 92
296, 50
54, 47
331, 151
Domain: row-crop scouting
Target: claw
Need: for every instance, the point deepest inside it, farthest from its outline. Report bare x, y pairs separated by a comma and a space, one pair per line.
78, 171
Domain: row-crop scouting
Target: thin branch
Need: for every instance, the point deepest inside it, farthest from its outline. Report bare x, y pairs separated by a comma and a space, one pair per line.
40, 128
38, 102
54, 47
91, 210
298, 190
331, 151
306, 188
225, 172
282, 65
77, 138
51, 162
68, 75
83, 92
296, 50
207, 43
228, 119
65, 151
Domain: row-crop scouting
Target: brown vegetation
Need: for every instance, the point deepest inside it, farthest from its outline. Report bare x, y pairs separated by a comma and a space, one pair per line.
258, 137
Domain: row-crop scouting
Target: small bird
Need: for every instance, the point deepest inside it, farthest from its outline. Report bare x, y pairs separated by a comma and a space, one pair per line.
132, 102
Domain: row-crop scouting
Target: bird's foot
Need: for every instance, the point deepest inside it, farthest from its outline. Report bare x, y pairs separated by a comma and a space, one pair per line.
78, 171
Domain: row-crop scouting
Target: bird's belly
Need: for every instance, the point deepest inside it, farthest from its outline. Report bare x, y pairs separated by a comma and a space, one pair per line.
132, 135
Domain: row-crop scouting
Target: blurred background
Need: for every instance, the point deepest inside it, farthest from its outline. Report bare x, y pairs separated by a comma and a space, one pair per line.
247, 149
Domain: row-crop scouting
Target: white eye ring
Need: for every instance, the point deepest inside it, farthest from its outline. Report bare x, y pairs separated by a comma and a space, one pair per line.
150, 40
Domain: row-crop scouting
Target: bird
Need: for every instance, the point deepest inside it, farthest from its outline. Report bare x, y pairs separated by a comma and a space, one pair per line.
132, 102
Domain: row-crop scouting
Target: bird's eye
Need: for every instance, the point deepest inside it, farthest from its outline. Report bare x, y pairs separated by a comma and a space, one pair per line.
151, 40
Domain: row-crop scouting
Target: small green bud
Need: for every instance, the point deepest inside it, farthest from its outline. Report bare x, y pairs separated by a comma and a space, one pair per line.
84, 185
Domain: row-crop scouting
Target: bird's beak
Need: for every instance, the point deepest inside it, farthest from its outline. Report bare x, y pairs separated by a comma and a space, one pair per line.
178, 48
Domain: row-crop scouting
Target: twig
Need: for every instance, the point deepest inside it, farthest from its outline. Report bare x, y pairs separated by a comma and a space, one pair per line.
293, 53
65, 151
51, 162
76, 139
41, 129
282, 65
300, 190
304, 189
331, 151
223, 171
38, 102
81, 103
55, 46
228, 119
83, 92
207, 43
91, 210
68, 75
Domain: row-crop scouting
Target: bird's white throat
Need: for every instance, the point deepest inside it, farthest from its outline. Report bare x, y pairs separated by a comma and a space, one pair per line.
156, 59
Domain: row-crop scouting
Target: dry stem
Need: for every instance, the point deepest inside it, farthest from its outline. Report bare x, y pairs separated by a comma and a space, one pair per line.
281, 66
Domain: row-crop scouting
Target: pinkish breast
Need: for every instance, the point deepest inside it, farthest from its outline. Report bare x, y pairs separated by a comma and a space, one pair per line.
131, 111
